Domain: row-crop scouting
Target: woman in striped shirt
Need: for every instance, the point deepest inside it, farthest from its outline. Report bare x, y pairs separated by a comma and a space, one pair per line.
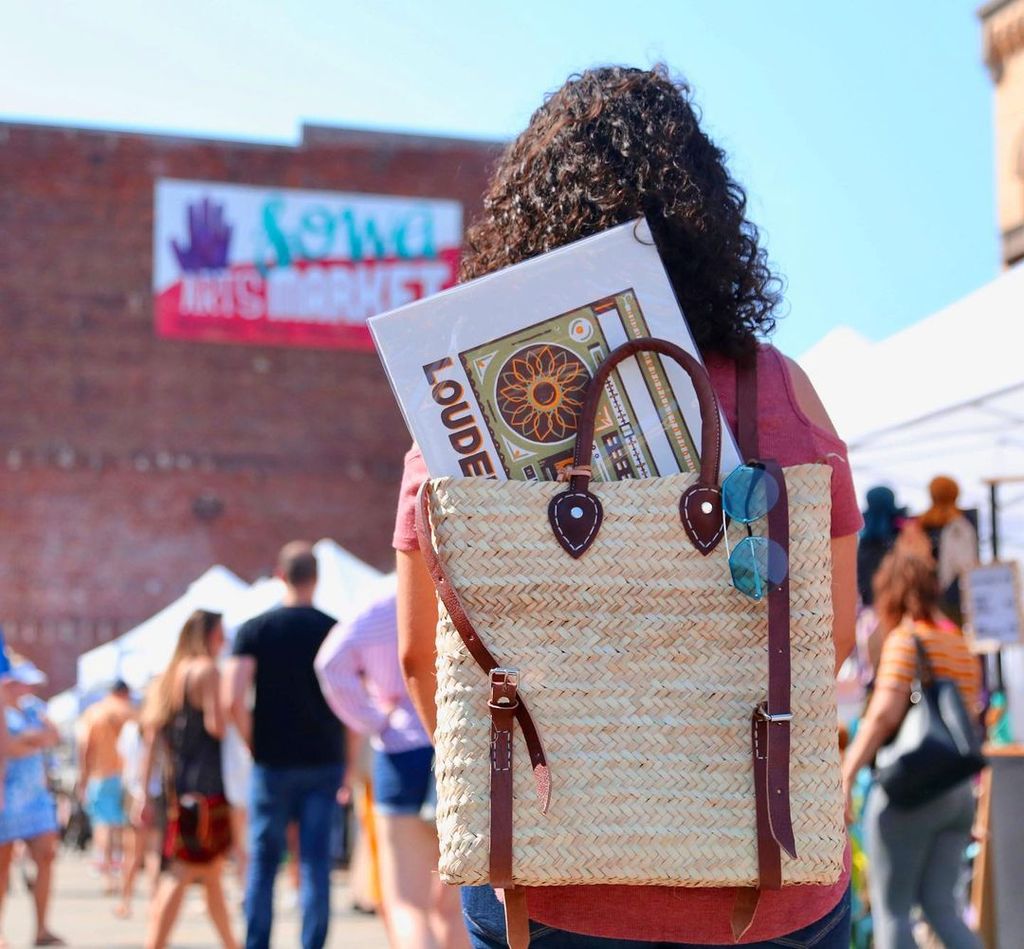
915, 852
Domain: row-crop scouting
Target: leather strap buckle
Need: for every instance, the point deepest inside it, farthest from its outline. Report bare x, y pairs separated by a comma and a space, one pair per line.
776, 719
504, 689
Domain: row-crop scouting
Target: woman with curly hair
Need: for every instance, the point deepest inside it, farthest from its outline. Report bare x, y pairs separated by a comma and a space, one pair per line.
611, 145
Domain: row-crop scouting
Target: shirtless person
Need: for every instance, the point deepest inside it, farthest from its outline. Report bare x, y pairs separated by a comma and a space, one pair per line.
99, 782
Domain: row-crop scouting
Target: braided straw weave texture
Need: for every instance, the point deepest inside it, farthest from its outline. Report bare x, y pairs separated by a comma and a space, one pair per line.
641, 665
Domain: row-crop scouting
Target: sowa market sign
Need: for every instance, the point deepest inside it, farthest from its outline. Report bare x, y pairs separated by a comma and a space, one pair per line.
295, 268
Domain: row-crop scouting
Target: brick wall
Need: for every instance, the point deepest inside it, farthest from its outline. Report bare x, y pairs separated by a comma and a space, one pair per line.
128, 463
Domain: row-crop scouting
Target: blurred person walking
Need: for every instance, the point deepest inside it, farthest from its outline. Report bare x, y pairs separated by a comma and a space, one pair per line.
883, 521
297, 748
954, 542
187, 718
142, 840
28, 811
362, 681
100, 787
915, 853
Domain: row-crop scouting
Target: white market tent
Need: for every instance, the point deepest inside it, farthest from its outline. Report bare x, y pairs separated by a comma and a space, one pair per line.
346, 585
64, 708
943, 396
136, 655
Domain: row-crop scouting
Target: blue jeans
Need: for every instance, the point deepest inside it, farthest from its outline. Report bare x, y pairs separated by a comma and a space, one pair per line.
403, 782
279, 796
485, 920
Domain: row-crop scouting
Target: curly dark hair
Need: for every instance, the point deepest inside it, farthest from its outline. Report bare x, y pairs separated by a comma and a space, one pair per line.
614, 143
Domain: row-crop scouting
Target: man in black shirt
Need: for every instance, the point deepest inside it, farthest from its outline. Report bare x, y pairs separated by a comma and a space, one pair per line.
297, 748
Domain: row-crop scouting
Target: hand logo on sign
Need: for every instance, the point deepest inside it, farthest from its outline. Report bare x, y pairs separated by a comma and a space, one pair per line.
208, 237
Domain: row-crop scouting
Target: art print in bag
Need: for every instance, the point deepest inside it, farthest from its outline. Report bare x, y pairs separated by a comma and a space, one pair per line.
629, 690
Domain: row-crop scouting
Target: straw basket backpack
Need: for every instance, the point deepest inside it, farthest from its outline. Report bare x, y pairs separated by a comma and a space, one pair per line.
611, 709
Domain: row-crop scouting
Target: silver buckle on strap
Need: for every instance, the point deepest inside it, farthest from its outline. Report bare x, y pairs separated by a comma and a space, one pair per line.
502, 675
766, 716
504, 680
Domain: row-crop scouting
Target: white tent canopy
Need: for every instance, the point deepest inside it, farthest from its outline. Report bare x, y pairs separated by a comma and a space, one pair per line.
136, 655
63, 709
944, 396
346, 585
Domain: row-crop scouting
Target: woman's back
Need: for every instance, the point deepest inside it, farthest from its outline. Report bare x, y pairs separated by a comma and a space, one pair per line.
195, 753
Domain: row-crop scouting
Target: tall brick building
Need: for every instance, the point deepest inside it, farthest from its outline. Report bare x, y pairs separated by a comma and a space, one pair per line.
130, 461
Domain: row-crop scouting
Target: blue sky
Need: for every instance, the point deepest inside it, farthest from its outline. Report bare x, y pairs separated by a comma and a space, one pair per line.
862, 132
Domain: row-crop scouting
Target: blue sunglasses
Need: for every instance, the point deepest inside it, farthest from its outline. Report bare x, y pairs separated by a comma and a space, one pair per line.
757, 564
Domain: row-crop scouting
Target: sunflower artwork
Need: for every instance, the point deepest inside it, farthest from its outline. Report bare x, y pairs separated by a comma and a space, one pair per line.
530, 386
540, 392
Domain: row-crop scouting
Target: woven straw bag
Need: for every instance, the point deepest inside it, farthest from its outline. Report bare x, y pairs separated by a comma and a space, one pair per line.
663, 743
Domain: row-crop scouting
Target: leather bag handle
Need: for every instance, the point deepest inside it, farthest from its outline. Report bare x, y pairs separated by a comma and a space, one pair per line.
710, 419
575, 514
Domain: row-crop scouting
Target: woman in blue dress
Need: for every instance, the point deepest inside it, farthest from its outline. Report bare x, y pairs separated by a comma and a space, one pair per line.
28, 812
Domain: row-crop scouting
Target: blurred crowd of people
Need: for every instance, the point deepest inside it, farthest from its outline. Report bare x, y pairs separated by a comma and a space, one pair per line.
249, 757
238, 753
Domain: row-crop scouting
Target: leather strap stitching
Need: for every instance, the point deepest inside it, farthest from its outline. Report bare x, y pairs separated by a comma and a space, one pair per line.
593, 527
694, 534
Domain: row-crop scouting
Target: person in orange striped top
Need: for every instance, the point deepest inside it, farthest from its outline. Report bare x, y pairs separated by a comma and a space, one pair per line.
915, 853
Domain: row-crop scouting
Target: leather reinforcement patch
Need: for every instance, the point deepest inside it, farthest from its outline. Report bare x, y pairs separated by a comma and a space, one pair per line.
575, 518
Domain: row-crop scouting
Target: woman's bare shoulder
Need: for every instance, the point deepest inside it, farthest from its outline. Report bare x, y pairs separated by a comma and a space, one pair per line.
806, 395
196, 674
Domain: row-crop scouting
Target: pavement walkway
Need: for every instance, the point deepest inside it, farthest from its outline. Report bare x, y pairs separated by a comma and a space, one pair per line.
84, 918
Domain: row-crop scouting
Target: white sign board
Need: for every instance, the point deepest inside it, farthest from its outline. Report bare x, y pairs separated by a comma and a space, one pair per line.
994, 603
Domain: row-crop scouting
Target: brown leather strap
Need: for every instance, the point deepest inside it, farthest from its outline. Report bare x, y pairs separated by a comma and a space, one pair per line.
770, 720
576, 514
479, 652
743, 909
503, 704
778, 713
517, 919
